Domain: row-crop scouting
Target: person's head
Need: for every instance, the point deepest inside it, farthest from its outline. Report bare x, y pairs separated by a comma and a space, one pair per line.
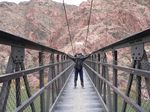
78, 55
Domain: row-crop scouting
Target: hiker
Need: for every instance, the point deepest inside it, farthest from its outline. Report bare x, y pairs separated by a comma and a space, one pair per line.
78, 59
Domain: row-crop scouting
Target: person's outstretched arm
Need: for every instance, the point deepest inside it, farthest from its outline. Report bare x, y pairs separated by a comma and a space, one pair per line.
71, 57
85, 57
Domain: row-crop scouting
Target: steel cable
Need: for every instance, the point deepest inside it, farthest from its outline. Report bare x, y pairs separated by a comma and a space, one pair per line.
68, 26
89, 20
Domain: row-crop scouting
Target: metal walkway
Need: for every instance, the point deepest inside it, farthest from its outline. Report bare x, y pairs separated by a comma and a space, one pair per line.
79, 99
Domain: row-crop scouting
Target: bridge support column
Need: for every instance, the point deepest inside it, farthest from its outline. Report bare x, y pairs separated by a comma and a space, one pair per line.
140, 61
62, 68
107, 92
92, 76
64, 65
57, 72
99, 80
96, 69
41, 72
101, 71
145, 65
15, 63
49, 95
115, 81
104, 75
52, 75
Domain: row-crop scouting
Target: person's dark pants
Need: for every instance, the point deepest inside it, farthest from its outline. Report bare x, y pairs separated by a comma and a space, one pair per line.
80, 72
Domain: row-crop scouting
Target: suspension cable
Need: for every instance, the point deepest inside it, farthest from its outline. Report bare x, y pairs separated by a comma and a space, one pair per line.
88, 23
68, 26
50, 34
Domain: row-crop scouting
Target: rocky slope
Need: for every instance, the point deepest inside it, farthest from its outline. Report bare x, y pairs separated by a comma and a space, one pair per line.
111, 20
44, 21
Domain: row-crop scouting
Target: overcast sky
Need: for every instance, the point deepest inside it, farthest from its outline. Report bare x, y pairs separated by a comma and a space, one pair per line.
16, 1
74, 2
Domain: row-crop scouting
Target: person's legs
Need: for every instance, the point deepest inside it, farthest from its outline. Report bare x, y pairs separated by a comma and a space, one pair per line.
75, 77
81, 77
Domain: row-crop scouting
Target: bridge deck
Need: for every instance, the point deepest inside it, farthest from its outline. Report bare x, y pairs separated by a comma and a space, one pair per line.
79, 99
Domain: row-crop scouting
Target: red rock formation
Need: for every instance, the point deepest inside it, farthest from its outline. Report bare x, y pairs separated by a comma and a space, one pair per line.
45, 22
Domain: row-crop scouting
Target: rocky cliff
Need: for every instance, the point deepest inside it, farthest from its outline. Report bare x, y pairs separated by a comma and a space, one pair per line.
44, 21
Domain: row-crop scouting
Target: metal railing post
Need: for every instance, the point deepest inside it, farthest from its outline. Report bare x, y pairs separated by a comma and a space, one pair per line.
65, 65
62, 67
99, 80
58, 81
52, 76
18, 88
137, 52
101, 71
145, 65
41, 72
96, 80
104, 75
49, 95
92, 75
108, 91
95, 65
115, 81
138, 85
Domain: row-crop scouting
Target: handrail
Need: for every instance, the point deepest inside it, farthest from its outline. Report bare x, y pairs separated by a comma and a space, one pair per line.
138, 70
39, 92
115, 89
10, 76
135, 71
142, 37
16, 71
12, 40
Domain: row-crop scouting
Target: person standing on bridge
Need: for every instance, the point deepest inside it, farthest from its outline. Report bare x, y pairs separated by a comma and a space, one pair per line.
78, 60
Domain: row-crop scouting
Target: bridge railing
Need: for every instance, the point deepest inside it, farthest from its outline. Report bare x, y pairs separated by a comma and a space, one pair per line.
31, 89
120, 72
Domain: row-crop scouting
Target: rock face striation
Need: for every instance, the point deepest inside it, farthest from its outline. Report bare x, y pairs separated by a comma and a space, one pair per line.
44, 21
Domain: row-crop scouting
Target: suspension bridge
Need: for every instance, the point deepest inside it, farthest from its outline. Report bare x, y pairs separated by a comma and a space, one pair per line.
54, 91
47, 86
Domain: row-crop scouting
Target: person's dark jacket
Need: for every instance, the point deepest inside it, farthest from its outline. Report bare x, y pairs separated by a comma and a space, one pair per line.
78, 61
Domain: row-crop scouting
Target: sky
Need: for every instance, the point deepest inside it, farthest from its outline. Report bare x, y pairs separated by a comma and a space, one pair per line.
16, 1
72, 2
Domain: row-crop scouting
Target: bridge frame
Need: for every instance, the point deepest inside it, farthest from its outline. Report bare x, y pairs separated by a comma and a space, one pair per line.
60, 67
140, 68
